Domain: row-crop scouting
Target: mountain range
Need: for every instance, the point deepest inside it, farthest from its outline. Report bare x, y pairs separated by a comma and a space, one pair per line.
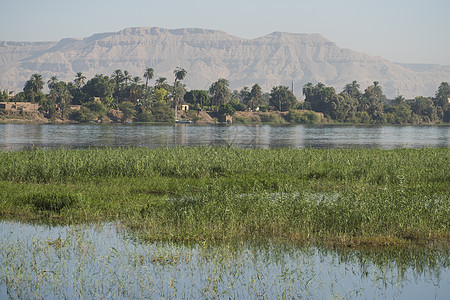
275, 59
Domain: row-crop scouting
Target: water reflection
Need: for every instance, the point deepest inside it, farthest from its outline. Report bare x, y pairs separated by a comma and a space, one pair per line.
17, 136
103, 261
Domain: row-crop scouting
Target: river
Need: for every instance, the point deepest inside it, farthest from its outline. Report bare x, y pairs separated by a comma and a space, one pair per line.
19, 136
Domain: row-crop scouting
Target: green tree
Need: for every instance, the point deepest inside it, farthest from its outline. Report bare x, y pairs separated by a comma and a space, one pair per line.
227, 109
79, 80
148, 75
178, 88
160, 95
4, 96
441, 101
128, 110
307, 117
99, 86
161, 83
33, 88
243, 95
353, 89
126, 77
179, 73
343, 107
254, 98
162, 112
83, 115
372, 101
59, 97
52, 82
90, 111
282, 98
48, 104
425, 109
197, 97
318, 97
118, 78
220, 92
308, 91
399, 112
443, 94
78, 97
135, 90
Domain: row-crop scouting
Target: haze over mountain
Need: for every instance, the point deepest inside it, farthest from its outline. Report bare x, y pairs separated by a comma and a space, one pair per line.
206, 55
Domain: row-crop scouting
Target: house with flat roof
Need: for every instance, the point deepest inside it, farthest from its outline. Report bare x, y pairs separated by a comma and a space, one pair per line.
19, 106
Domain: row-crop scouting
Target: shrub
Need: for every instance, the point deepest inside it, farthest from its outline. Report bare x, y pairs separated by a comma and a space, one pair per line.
163, 113
144, 116
51, 201
83, 115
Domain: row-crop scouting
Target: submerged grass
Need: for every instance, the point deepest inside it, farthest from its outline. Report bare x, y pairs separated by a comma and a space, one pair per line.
339, 196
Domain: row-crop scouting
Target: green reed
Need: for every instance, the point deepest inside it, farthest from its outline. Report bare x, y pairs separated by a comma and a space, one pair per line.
343, 196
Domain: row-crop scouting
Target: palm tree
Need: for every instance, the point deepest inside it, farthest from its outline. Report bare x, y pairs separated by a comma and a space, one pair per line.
37, 83
135, 88
353, 89
220, 92
126, 77
308, 90
179, 73
255, 98
160, 81
52, 82
148, 75
79, 80
33, 87
118, 77
442, 95
136, 80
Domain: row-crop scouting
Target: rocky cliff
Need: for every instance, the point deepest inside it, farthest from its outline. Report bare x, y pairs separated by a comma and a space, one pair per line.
278, 58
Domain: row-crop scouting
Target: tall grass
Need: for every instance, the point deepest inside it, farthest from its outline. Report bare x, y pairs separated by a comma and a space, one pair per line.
348, 196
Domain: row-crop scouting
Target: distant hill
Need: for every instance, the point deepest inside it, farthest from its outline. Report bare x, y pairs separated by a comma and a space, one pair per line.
277, 58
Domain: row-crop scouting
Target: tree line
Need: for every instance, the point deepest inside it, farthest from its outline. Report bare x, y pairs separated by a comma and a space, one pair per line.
371, 106
122, 97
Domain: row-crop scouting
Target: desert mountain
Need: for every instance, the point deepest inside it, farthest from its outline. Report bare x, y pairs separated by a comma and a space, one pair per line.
277, 58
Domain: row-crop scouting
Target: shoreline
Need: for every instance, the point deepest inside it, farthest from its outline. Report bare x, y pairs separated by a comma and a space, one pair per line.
240, 118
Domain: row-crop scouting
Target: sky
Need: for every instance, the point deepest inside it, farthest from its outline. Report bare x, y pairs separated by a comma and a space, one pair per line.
407, 31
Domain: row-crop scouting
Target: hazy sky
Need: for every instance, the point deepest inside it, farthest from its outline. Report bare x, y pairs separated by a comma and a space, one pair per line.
410, 31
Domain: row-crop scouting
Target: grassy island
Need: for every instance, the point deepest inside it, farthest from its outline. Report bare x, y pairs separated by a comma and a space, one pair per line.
346, 197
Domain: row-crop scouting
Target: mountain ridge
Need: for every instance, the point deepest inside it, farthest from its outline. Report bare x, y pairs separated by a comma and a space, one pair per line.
274, 59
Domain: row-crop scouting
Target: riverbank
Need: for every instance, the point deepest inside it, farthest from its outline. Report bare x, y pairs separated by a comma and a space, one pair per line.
305, 117
336, 197
16, 117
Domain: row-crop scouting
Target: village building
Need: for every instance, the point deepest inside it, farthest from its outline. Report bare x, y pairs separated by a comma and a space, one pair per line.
19, 106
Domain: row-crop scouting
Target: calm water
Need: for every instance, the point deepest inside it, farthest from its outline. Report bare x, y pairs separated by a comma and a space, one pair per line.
18, 136
103, 262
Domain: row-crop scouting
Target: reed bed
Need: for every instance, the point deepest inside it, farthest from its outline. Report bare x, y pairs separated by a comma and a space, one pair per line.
224, 194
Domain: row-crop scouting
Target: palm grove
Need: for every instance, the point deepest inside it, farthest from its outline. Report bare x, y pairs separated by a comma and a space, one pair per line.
123, 97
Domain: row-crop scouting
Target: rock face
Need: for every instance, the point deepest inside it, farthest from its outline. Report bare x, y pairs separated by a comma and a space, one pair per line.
206, 55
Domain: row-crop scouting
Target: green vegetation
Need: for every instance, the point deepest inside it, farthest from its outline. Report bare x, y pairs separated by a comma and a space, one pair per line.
349, 197
144, 101
372, 107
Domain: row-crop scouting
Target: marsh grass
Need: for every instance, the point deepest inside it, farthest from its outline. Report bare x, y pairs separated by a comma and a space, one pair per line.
351, 197
51, 201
